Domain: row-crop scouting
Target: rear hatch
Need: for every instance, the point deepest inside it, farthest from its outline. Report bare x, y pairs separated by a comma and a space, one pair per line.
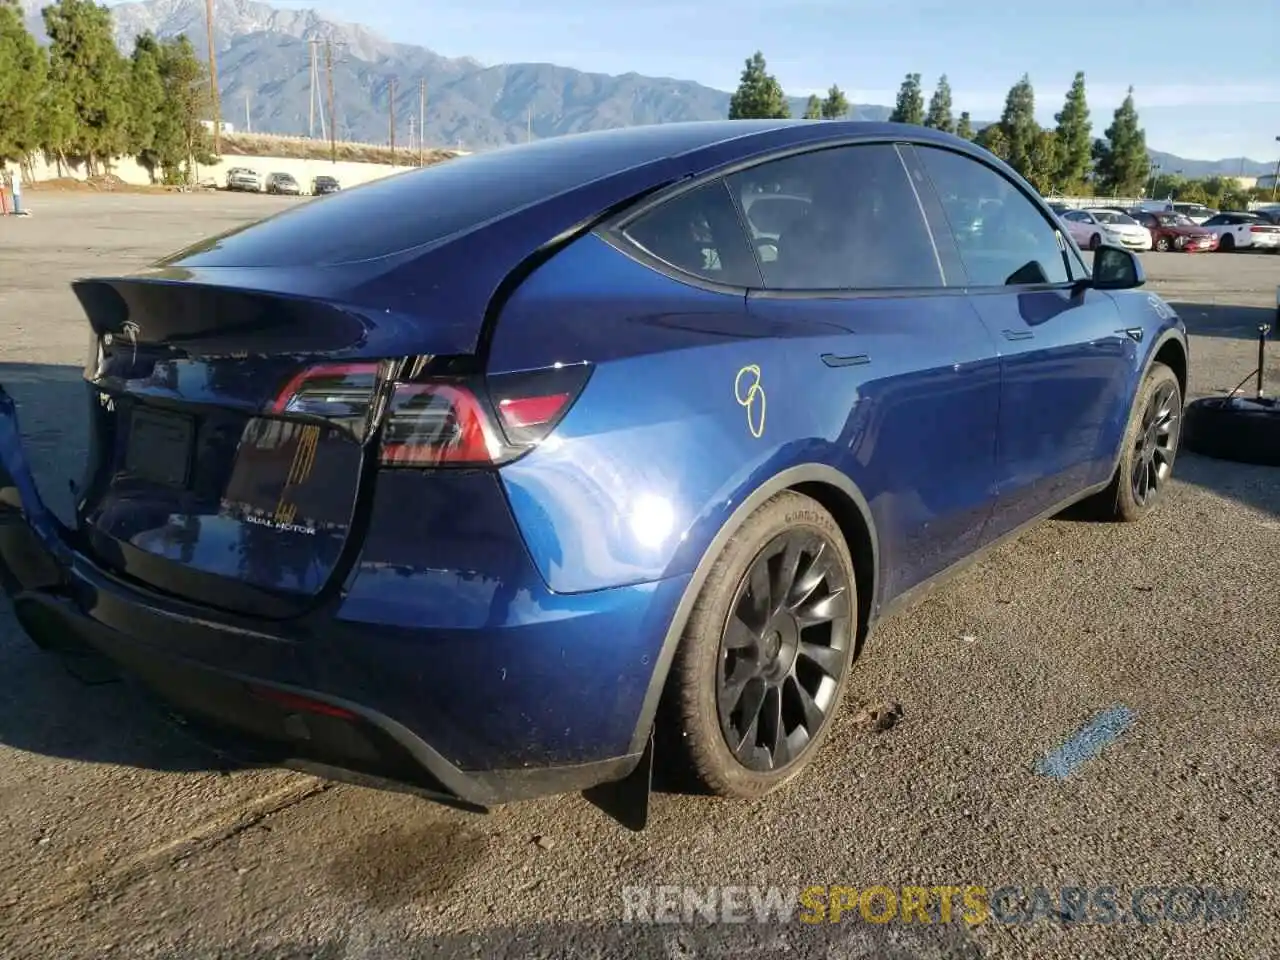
212, 474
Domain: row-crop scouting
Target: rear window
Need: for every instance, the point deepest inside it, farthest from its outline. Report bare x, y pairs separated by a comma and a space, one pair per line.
419, 207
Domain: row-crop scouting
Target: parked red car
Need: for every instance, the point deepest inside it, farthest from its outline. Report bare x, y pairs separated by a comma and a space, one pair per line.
1176, 231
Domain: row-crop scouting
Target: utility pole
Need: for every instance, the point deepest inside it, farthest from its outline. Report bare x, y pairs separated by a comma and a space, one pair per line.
248, 120
422, 121
528, 123
391, 107
333, 118
213, 78
1275, 182
311, 93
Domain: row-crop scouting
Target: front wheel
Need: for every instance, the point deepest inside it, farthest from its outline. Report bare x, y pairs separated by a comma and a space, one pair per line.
1162, 244
1150, 446
1227, 243
766, 654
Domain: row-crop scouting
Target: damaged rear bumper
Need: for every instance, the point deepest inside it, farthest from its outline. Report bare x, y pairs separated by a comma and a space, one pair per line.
69, 605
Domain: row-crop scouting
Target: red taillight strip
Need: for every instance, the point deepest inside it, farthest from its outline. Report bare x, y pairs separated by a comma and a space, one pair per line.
531, 411
295, 701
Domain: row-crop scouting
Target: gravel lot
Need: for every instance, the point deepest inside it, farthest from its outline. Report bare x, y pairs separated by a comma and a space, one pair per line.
121, 839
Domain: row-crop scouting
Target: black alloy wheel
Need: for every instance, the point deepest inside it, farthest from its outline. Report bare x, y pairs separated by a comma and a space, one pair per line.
765, 655
1156, 443
1147, 452
783, 651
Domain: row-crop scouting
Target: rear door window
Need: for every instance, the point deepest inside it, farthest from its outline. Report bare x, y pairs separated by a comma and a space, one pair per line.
1003, 238
843, 218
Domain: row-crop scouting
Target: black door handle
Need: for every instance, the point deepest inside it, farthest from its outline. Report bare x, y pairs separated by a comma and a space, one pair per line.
855, 360
1018, 334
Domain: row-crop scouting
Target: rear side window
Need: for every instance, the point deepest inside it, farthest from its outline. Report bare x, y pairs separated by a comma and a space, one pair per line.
1002, 237
698, 232
844, 218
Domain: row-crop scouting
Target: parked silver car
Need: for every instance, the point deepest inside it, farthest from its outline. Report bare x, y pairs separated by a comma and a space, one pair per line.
283, 183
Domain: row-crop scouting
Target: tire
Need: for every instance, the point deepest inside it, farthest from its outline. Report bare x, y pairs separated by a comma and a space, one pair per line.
1095, 241
1227, 243
1237, 432
1162, 244
716, 642
1120, 501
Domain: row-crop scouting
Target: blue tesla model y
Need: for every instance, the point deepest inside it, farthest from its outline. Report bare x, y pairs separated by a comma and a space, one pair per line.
487, 478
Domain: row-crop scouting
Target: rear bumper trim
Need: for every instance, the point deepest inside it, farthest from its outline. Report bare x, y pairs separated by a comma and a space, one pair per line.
372, 746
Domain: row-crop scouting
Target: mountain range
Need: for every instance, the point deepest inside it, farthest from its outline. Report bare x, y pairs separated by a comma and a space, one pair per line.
264, 72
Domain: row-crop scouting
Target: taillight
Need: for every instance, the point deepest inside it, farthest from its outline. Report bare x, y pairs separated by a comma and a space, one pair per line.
433, 420
476, 421
437, 424
1262, 229
329, 390
341, 393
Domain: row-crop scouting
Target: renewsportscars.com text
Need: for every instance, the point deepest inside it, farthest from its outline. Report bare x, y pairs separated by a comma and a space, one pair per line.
971, 904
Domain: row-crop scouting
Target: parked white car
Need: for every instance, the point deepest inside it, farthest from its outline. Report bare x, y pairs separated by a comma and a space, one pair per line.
1197, 212
1240, 231
243, 178
1091, 228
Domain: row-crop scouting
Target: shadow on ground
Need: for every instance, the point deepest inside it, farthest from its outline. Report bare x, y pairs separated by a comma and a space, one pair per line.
1229, 321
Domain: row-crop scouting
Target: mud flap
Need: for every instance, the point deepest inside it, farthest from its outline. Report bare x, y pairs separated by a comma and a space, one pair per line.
627, 800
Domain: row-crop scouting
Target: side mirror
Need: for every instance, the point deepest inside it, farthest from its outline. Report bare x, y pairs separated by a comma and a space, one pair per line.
1115, 268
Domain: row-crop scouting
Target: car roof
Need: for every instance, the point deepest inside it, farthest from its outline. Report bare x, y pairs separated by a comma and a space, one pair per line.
568, 178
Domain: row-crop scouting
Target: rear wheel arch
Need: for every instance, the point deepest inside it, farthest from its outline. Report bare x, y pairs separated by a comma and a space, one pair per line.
1173, 354
1171, 350
838, 495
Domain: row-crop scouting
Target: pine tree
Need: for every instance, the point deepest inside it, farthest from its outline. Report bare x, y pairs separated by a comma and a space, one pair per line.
993, 139
1122, 163
146, 101
759, 95
23, 69
910, 105
1018, 124
813, 109
85, 62
180, 138
965, 127
939, 116
1045, 161
836, 106
1075, 137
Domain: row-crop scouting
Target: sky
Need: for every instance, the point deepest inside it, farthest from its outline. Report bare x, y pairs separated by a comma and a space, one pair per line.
1206, 77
